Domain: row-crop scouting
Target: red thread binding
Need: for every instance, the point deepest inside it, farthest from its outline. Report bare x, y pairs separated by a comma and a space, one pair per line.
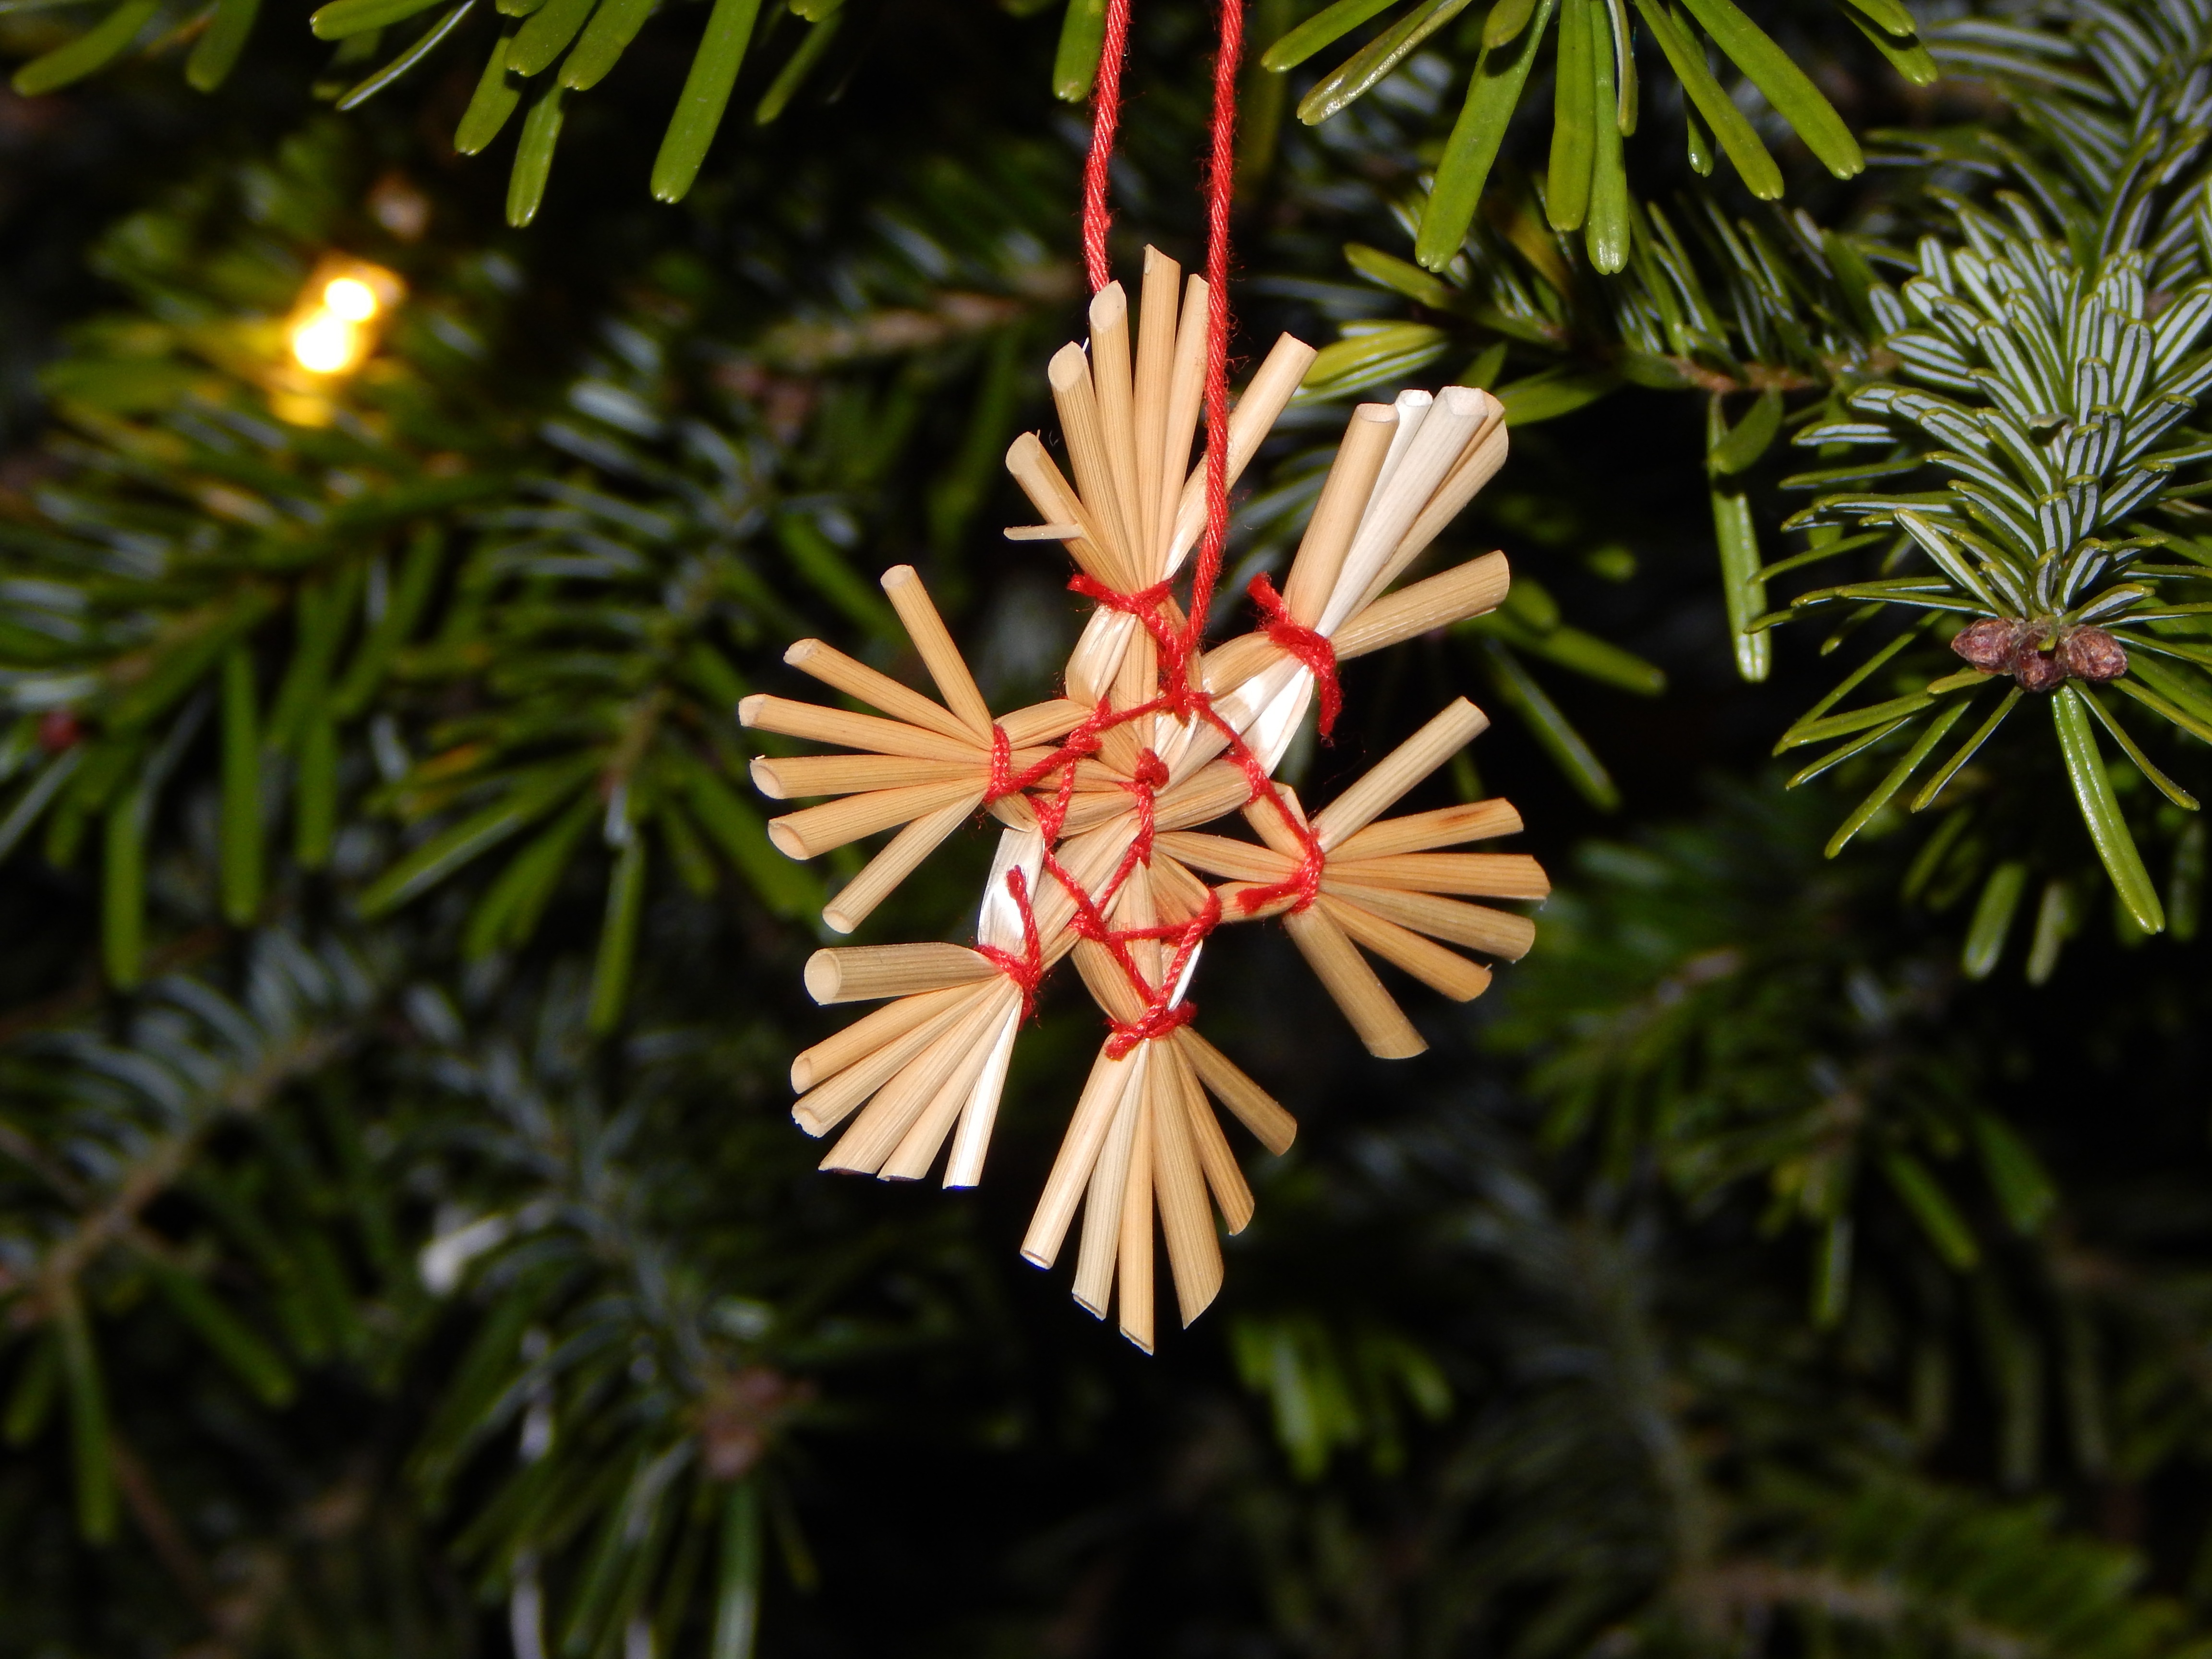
1026, 969
1302, 886
1309, 647
1179, 695
1176, 641
1156, 1021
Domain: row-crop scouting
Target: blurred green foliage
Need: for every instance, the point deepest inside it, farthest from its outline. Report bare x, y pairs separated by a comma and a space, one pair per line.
2016, 343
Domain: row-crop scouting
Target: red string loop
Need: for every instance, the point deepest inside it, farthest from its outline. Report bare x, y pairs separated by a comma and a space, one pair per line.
1308, 647
1177, 642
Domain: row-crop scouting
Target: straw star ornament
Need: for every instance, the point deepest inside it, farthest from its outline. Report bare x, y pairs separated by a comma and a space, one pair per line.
1101, 795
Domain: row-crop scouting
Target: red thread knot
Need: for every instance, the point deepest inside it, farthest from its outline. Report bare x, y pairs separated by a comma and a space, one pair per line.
1146, 601
1304, 643
1156, 1021
1176, 641
1003, 780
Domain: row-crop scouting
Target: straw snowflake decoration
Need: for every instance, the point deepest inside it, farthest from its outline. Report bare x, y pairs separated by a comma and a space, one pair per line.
1100, 794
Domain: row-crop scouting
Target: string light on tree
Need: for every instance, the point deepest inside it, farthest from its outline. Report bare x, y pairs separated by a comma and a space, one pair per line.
341, 311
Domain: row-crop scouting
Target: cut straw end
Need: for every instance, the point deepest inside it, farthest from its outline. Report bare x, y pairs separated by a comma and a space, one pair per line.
866, 972
1458, 724
1068, 368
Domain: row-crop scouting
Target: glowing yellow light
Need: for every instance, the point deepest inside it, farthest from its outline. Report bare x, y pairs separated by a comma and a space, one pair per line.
351, 299
336, 322
323, 343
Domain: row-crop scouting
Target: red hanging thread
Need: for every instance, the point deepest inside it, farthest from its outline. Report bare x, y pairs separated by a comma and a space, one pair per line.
1178, 644
1105, 116
1308, 647
1220, 181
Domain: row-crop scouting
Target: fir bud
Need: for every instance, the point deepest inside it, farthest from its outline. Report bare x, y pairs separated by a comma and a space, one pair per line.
2006, 645
2091, 653
1989, 644
2036, 668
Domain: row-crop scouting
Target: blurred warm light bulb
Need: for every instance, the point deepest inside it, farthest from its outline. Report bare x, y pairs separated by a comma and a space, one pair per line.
351, 299
324, 342
342, 309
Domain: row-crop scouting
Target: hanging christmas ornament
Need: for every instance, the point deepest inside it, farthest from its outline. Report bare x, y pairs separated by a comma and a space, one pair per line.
1100, 793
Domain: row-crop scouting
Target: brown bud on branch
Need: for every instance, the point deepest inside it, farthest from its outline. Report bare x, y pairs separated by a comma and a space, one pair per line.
2031, 655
